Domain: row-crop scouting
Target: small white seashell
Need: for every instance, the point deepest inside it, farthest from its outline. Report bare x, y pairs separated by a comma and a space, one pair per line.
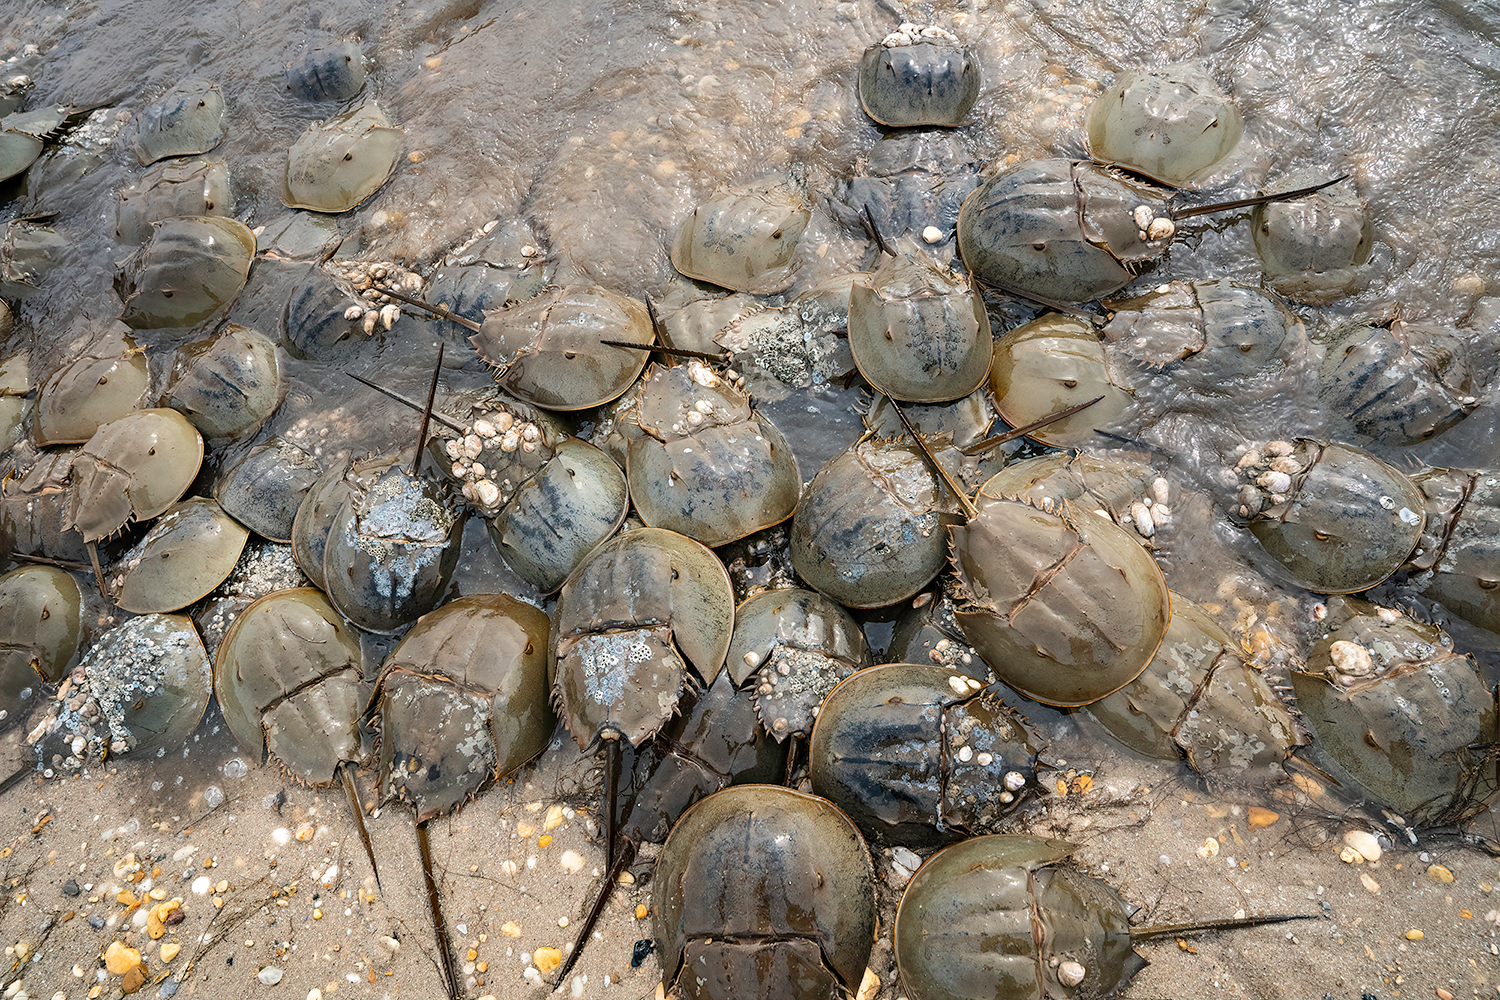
1070, 973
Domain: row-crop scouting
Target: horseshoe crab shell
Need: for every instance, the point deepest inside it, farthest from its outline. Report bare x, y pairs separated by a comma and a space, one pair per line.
745, 238
187, 271
188, 120
1172, 124
132, 469
340, 162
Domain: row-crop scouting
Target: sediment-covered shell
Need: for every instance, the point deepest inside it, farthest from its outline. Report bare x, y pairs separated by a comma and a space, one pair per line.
146, 685
287, 677
547, 349
1065, 606
463, 699
631, 620
132, 468
1170, 123
918, 75
340, 162
188, 552
708, 464
188, 120
796, 645
918, 330
391, 549
190, 269
745, 238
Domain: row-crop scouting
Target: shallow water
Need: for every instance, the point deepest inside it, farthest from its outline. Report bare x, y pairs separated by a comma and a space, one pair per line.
601, 125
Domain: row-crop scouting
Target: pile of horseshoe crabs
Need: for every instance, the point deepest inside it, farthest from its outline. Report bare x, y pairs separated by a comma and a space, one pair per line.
908, 499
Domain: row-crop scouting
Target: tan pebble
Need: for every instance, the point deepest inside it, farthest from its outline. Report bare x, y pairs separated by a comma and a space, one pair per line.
1440, 873
416, 156
1350, 856
1444, 994
470, 955
1365, 843
555, 818
169, 950
120, 959
1258, 818
222, 887
546, 959
1368, 882
640, 911
482, 967
127, 897
869, 984
511, 929
626, 878
305, 832
1414, 935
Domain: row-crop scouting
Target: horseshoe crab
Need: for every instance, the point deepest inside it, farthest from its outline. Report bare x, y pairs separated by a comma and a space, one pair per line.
797, 645
764, 892
988, 919
745, 238
189, 270
911, 184
1399, 383
1198, 696
229, 384
187, 121
650, 609
919, 754
340, 162
1052, 363
870, 530
333, 71
1337, 519
1172, 124
919, 332
104, 384
707, 464
1311, 249
41, 632
1064, 606
188, 552
391, 548
171, 190
264, 487
548, 351
132, 468
1071, 230
287, 677
462, 701
918, 75
1398, 718
1455, 560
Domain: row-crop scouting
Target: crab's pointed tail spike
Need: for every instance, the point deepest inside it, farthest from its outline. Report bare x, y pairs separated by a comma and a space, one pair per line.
1025, 429
1139, 934
1260, 199
435, 906
439, 416
439, 310
346, 772
621, 862
437, 371
970, 511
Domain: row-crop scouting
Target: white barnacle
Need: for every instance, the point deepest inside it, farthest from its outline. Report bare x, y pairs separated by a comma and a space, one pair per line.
1143, 216
1351, 659
484, 428
354, 313
1144, 523
371, 318
389, 314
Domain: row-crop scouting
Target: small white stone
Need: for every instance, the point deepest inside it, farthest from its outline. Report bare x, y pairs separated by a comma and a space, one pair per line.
571, 862
932, 234
484, 428
1351, 659
282, 836
201, 885
1141, 515
270, 975
1274, 482
966, 753
1015, 781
